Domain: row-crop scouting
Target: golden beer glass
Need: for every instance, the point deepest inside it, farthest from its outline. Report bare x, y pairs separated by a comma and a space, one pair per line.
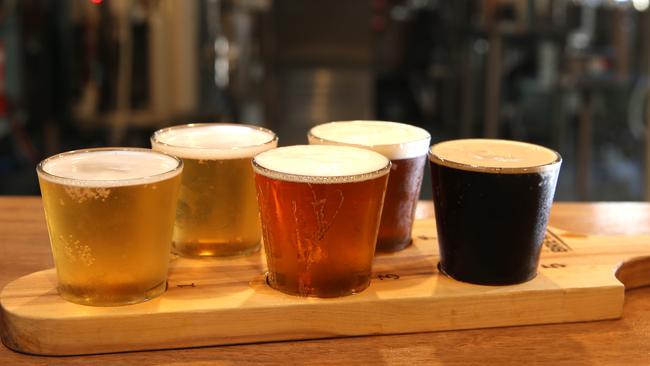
217, 211
110, 215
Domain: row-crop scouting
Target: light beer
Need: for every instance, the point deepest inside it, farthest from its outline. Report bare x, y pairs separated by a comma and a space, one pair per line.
320, 208
406, 146
110, 215
492, 200
217, 211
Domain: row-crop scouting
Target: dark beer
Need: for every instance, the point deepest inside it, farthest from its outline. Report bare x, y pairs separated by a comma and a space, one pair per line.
402, 195
492, 201
320, 208
406, 146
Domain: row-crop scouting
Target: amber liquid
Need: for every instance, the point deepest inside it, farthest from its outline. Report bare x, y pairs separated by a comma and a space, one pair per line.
320, 238
402, 194
217, 210
110, 244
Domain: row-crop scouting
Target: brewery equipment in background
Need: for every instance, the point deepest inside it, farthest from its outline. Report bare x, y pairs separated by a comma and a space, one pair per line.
569, 74
554, 72
156, 62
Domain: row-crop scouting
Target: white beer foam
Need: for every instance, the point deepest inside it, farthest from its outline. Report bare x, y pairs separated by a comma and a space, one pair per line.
214, 141
391, 139
109, 168
488, 153
312, 163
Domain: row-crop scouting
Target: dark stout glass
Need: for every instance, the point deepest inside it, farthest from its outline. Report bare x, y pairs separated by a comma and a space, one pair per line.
319, 218
491, 219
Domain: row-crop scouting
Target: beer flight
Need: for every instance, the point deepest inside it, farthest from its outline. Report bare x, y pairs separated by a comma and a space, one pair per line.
321, 210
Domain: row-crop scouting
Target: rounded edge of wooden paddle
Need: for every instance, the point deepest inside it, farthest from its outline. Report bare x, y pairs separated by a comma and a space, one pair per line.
634, 273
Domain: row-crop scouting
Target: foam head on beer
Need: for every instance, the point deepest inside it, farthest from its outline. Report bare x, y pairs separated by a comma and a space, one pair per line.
110, 168
394, 140
478, 154
321, 161
213, 141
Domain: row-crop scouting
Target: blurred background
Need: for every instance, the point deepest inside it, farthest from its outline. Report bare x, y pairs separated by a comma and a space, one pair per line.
573, 75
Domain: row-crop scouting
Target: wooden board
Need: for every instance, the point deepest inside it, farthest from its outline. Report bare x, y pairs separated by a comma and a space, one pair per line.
218, 302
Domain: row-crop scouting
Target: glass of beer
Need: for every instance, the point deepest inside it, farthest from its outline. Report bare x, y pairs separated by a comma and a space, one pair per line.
406, 146
492, 200
217, 213
320, 208
110, 215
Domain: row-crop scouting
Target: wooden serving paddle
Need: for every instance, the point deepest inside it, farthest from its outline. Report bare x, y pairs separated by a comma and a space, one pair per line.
218, 302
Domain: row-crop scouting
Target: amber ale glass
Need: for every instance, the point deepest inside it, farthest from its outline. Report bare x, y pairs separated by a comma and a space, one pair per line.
217, 210
320, 208
406, 146
492, 200
110, 215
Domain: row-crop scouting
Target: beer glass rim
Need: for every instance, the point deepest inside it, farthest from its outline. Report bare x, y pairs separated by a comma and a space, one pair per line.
427, 138
554, 164
122, 182
321, 179
155, 137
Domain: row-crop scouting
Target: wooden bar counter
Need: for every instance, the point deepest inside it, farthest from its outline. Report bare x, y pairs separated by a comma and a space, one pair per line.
24, 248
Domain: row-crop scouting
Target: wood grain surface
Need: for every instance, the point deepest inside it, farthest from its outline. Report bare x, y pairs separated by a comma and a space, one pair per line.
24, 249
220, 302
